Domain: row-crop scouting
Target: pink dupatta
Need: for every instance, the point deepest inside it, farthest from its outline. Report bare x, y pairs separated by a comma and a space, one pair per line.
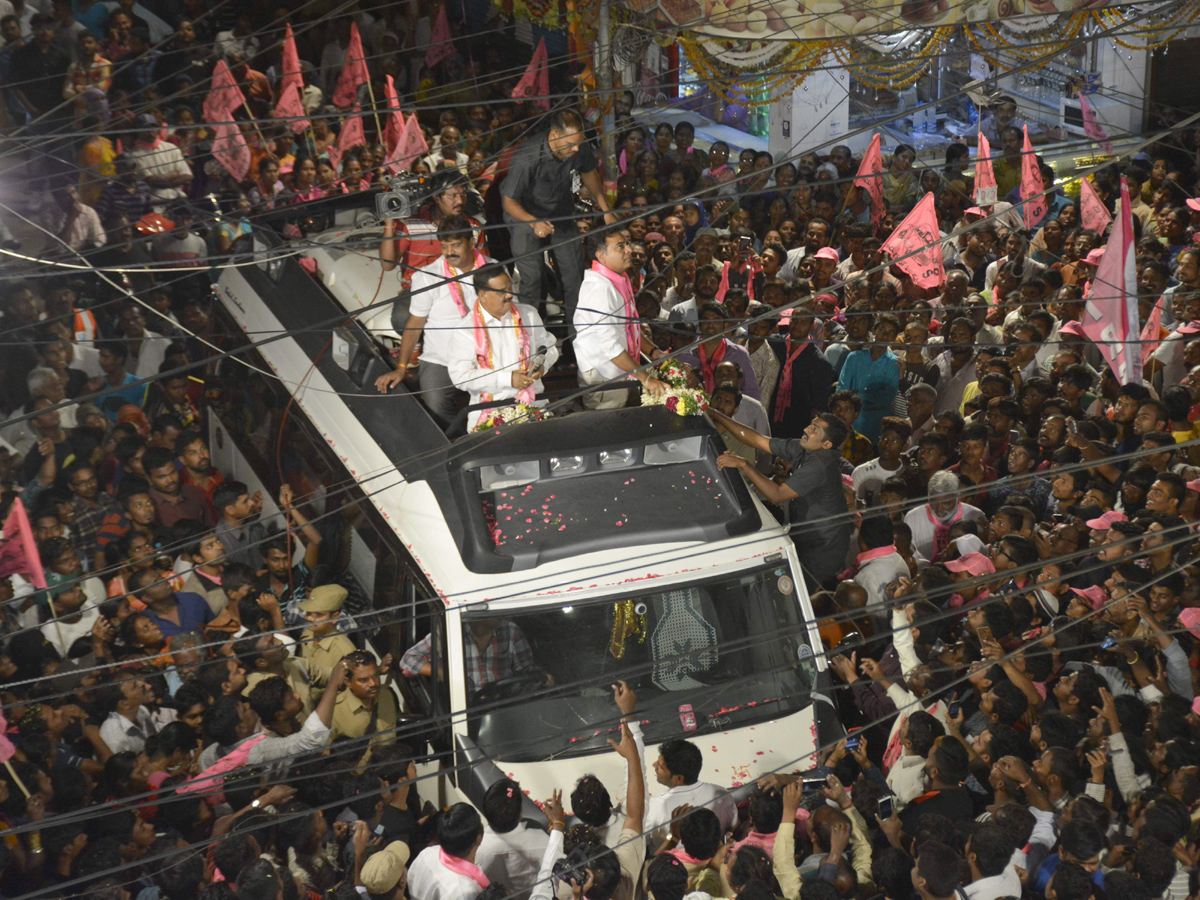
633, 332
485, 358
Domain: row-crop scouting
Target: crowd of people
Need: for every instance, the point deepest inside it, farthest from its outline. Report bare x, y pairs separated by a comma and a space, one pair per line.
999, 538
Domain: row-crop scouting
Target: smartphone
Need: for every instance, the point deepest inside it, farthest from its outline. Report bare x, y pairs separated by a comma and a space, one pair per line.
851, 743
378, 831
984, 633
745, 243
1108, 643
1072, 426
954, 710
812, 784
885, 807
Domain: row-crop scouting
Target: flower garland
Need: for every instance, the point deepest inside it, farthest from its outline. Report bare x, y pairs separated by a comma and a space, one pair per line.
509, 415
678, 398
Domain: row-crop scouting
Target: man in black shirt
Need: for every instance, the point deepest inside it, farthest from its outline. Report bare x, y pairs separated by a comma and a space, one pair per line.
813, 492
539, 206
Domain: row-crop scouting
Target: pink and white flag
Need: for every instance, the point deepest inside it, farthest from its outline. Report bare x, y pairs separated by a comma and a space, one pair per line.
1110, 315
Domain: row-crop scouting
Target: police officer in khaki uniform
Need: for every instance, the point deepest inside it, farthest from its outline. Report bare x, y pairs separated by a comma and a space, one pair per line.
365, 708
320, 643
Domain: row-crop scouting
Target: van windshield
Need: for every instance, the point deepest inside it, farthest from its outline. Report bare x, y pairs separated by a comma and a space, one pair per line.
706, 656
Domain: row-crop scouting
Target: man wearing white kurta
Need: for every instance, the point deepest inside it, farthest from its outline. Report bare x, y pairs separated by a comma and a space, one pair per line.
442, 297
494, 354
608, 334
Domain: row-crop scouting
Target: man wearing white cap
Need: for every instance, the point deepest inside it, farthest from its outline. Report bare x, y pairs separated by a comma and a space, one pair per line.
383, 874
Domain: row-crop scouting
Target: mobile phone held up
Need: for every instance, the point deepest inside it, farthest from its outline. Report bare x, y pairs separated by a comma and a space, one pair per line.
885, 807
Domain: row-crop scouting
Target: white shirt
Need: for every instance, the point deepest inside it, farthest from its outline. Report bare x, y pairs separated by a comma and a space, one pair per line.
433, 302
428, 879
659, 808
468, 375
120, 734
435, 162
62, 635
787, 272
923, 530
600, 326
1006, 884
869, 478
1170, 354
512, 858
151, 352
161, 162
875, 575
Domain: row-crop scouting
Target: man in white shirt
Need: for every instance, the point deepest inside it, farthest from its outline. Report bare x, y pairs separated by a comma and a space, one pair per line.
71, 623
448, 871
502, 349
878, 565
129, 723
159, 163
931, 523
678, 770
511, 850
442, 297
447, 153
608, 335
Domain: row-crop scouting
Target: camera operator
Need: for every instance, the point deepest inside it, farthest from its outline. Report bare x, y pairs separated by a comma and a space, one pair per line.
593, 870
413, 242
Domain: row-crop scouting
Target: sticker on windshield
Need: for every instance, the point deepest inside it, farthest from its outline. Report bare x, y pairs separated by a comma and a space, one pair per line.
784, 584
804, 651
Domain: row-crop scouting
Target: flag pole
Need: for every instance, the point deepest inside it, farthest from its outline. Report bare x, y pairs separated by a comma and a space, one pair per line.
375, 110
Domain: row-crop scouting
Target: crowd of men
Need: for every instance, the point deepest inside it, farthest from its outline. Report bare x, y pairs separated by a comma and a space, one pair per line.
999, 538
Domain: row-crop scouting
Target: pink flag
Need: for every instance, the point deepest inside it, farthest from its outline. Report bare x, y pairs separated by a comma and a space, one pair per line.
1091, 125
351, 134
223, 97
869, 178
230, 150
290, 106
18, 552
394, 125
535, 83
441, 44
919, 235
410, 146
1092, 211
354, 72
1110, 316
985, 177
1033, 198
290, 67
1152, 331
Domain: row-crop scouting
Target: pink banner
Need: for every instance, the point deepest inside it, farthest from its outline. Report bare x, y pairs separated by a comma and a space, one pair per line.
18, 553
535, 83
1092, 211
869, 179
1110, 315
1033, 200
290, 106
352, 133
354, 72
230, 150
223, 97
410, 147
1091, 126
985, 177
919, 235
441, 43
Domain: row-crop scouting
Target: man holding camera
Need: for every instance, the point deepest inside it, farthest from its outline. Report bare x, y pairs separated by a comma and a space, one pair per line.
413, 242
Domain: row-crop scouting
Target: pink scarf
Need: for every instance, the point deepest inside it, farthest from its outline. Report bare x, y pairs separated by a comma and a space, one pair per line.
633, 332
454, 282
687, 859
708, 364
212, 779
723, 289
485, 358
941, 531
463, 867
783, 394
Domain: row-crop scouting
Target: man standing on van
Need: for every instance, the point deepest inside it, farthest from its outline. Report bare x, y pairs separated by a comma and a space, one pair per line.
539, 206
443, 295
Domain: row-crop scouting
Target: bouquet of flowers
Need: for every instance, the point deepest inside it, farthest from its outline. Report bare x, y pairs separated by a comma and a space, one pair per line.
516, 414
678, 398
